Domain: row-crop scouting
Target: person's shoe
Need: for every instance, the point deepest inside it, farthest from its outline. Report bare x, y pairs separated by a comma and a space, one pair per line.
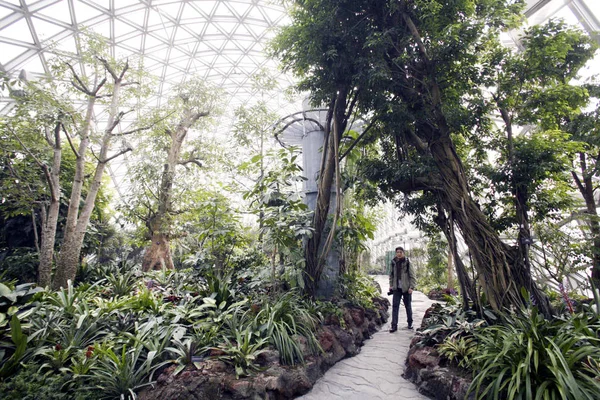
393, 329
409, 327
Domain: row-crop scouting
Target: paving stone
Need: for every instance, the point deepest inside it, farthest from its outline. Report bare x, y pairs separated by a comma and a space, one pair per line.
376, 372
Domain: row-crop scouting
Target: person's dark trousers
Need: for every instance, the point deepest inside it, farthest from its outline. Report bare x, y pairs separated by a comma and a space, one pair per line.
407, 300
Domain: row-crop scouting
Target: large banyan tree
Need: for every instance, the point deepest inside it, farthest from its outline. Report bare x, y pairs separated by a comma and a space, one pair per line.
417, 68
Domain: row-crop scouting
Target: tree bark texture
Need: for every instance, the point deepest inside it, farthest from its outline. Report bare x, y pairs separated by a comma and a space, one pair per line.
586, 188
77, 221
49, 223
158, 254
502, 271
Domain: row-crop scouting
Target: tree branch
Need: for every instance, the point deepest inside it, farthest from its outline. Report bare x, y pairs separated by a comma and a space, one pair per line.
116, 155
70, 142
358, 138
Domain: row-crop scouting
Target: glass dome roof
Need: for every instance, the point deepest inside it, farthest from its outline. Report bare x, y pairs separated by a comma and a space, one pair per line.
222, 41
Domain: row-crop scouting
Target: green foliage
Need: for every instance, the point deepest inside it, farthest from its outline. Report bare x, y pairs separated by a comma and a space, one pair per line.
277, 200
459, 350
436, 273
360, 289
8, 364
530, 357
29, 384
21, 264
281, 321
242, 352
120, 375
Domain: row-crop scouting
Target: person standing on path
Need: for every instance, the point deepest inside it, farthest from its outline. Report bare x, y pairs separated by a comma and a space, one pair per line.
402, 284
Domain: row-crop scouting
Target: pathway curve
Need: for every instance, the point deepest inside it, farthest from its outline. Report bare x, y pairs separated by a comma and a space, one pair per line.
376, 372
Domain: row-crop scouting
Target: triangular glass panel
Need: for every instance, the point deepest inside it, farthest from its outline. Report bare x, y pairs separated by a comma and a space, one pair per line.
137, 17
121, 4
59, 11
152, 42
222, 10
182, 35
177, 54
254, 13
102, 29
135, 43
15, 2
34, 65
173, 73
211, 29
160, 53
239, 9
84, 13
170, 10
257, 30
163, 33
45, 30
18, 30
190, 13
4, 12
9, 52
67, 45
216, 44
155, 19
243, 31
206, 7
103, 3
122, 28
246, 44
227, 28
230, 45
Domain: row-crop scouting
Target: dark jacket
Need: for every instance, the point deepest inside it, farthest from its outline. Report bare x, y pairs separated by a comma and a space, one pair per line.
403, 269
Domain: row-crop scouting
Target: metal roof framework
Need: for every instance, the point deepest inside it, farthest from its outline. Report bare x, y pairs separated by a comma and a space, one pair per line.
222, 41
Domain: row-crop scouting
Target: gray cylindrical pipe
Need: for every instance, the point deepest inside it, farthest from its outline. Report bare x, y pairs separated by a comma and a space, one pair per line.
312, 152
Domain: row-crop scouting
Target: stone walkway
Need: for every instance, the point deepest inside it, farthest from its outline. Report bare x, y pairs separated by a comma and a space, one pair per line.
376, 372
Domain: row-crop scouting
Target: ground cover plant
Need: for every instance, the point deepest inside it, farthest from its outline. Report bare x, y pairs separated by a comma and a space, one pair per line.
519, 354
111, 338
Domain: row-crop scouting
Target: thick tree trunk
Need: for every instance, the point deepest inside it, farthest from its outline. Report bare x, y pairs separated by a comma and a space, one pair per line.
502, 270
467, 286
47, 246
158, 254
586, 188
70, 252
50, 222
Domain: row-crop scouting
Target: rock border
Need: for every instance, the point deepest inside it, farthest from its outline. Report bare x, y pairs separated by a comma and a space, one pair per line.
213, 379
433, 376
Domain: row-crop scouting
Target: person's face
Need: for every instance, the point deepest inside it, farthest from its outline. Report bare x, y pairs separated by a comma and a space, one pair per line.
399, 253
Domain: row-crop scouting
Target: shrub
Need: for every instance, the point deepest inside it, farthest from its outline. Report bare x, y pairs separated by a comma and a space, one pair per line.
358, 288
531, 358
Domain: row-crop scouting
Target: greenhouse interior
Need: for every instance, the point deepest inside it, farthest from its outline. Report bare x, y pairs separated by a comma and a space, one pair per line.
315, 199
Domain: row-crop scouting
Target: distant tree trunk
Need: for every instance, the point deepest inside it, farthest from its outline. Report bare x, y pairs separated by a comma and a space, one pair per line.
586, 188
77, 222
50, 222
158, 254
